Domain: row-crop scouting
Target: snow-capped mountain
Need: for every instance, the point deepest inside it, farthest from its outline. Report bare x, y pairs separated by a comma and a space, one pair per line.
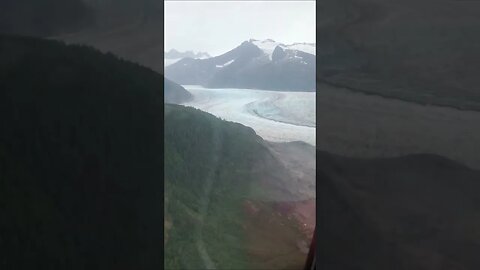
269, 45
254, 64
174, 54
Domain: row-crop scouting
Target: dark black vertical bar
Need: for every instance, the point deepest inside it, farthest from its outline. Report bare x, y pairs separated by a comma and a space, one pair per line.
310, 262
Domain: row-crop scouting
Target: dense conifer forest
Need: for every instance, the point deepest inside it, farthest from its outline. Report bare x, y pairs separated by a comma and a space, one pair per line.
80, 158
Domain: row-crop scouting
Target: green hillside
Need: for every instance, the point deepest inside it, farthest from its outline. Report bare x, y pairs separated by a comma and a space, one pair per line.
213, 175
201, 150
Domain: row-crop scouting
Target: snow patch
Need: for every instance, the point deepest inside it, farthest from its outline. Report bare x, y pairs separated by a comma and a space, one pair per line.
204, 56
296, 56
226, 64
268, 46
304, 47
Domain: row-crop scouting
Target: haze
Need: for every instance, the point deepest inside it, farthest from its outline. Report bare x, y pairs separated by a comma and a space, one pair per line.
217, 27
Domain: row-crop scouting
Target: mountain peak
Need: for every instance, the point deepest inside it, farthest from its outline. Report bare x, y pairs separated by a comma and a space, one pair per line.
268, 46
278, 53
261, 40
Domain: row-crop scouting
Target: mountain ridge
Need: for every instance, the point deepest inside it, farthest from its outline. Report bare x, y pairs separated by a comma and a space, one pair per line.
250, 65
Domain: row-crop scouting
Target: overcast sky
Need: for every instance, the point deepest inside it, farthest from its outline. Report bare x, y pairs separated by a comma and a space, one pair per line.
218, 26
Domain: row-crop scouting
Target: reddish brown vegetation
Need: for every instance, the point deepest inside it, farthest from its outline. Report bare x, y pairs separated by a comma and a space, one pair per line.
276, 236
302, 212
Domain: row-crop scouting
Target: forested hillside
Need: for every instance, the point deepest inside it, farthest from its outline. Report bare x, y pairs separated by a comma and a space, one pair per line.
215, 173
80, 159
207, 161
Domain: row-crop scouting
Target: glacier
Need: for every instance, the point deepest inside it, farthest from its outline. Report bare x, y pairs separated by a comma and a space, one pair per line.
277, 116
